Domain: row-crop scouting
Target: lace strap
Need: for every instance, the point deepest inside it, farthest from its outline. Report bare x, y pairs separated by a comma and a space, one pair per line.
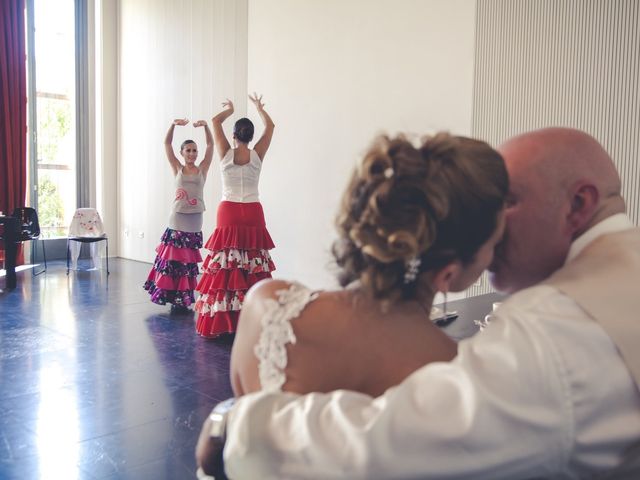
277, 332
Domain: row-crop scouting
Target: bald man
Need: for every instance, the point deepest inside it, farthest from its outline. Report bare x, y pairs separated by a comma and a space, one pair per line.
548, 390
562, 183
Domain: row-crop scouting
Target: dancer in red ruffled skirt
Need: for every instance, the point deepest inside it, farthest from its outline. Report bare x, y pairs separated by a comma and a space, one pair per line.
174, 275
239, 247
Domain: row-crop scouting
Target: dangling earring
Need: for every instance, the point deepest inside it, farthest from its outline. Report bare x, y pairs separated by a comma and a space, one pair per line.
444, 313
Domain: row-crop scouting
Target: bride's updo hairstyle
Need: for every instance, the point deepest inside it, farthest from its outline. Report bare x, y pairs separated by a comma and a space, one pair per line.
436, 203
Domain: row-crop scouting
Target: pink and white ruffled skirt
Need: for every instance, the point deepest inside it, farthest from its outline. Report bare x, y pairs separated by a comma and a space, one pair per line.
174, 275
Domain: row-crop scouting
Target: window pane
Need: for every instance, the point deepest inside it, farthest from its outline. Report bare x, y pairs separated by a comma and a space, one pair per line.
55, 101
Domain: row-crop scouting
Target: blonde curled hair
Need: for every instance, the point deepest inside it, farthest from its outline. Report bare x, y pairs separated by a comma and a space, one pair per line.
438, 202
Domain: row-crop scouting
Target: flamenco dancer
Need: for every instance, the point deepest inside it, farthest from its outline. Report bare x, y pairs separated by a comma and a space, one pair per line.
173, 277
239, 247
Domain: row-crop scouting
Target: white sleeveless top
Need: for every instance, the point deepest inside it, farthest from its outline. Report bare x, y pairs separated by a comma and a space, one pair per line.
240, 182
277, 332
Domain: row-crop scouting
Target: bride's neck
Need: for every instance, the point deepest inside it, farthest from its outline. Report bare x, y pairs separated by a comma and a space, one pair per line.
420, 304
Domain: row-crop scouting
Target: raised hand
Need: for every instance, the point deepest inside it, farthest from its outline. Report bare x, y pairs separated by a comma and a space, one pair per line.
228, 105
262, 145
225, 113
257, 100
181, 121
200, 123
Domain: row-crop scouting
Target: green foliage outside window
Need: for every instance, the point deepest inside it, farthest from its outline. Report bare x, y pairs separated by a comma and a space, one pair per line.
50, 208
54, 121
54, 172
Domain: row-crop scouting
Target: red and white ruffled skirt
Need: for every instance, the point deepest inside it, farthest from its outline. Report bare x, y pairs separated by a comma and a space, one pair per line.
238, 258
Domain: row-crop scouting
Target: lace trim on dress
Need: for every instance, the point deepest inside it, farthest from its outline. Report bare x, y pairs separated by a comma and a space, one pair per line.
277, 332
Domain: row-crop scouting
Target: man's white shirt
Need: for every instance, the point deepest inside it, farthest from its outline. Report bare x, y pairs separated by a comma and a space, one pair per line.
541, 393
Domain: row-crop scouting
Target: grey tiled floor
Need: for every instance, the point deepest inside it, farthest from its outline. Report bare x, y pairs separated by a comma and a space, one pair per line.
98, 382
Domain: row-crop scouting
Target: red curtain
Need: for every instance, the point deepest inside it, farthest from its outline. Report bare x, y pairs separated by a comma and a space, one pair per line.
13, 106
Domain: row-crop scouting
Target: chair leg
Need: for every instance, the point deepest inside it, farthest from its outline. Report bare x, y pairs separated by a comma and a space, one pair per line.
44, 256
107, 256
67, 256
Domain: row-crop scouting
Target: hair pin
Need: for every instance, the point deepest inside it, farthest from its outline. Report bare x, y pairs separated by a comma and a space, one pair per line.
412, 267
388, 172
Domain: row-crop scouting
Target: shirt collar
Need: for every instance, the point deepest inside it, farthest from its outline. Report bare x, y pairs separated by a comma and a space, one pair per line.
612, 224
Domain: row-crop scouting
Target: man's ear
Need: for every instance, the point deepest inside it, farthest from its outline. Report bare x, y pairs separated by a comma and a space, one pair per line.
446, 276
584, 203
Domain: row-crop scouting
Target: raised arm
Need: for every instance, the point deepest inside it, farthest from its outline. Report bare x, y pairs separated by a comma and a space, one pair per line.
262, 145
168, 147
208, 154
222, 144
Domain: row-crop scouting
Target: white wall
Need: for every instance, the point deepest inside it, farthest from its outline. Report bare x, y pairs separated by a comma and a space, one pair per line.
333, 74
106, 121
176, 59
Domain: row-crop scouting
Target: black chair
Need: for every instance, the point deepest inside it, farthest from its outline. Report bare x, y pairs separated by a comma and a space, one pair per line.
30, 230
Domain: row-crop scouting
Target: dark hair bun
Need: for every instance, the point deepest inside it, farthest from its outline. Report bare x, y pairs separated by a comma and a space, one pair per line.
243, 130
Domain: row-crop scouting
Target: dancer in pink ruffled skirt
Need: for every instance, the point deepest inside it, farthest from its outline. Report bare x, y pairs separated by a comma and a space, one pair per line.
174, 275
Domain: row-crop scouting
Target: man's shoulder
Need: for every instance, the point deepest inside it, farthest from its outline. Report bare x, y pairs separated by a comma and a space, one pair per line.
534, 298
540, 306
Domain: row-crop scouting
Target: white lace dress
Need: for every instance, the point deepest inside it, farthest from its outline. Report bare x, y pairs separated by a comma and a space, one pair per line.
277, 332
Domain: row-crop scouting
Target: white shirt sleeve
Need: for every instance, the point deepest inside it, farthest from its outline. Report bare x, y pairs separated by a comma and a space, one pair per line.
501, 409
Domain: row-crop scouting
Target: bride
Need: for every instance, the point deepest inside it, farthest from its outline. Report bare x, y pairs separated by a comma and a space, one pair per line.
413, 222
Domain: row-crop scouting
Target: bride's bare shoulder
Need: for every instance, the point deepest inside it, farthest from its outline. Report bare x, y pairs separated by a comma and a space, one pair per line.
264, 289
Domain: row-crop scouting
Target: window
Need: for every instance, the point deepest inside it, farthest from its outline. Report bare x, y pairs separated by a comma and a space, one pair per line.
52, 113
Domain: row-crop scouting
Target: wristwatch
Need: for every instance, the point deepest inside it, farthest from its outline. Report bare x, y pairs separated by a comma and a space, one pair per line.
218, 417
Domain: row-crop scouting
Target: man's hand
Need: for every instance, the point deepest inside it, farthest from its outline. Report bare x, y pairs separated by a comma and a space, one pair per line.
209, 453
